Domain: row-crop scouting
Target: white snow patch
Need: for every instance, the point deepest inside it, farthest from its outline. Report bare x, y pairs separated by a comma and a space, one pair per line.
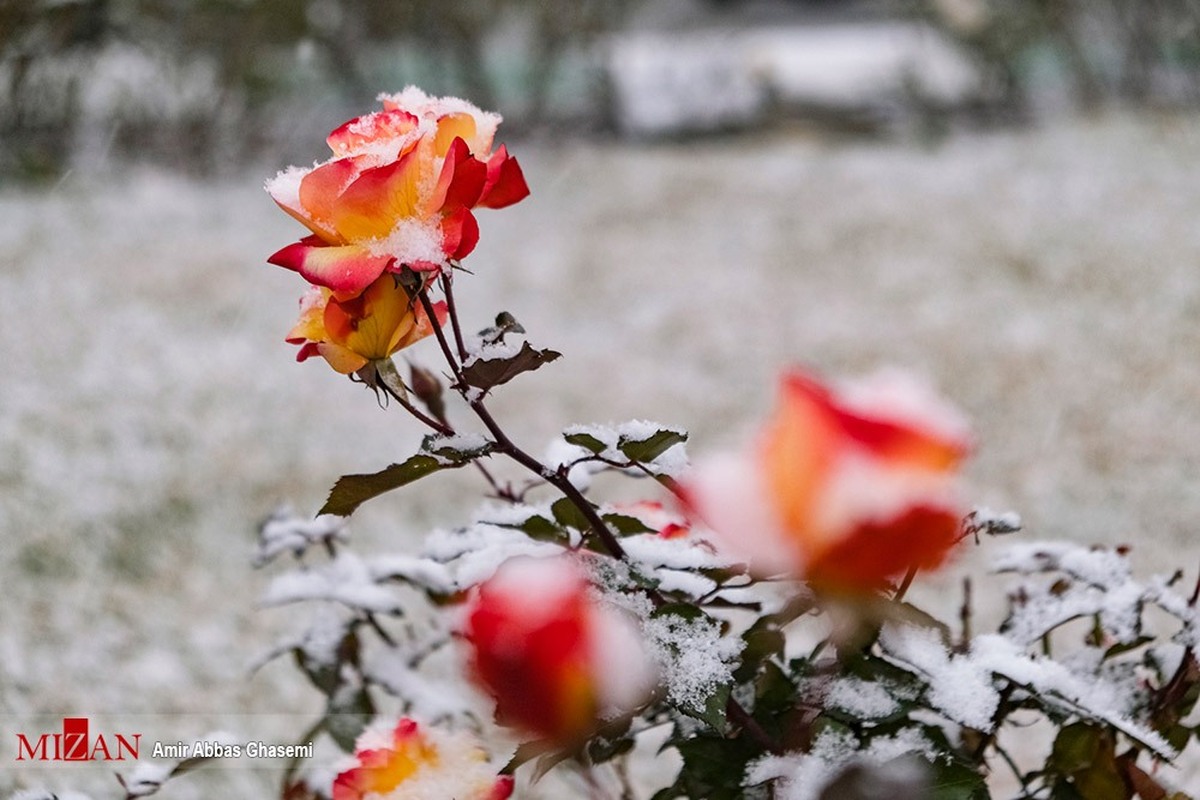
695, 658
345, 579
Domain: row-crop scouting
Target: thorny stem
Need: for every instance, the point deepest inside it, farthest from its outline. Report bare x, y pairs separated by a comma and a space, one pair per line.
666, 480
990, 738
905, 584
440, 427
1177, 686
507, 447
560, 481
443, 427
380, 630
964, 613
447, 284
1016, 771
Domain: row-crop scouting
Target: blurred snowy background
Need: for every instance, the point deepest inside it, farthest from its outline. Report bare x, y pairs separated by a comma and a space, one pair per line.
1001, 195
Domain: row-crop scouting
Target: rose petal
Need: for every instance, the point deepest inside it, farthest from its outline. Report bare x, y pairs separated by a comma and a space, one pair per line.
370, 128
460, 233
452, 128
349, 268
461, 181
505, 182
370, 206
319, 192
886, 438
920, 537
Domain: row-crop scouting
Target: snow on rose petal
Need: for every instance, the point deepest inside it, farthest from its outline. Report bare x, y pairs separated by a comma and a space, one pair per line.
399, 191
844, 487
410, 762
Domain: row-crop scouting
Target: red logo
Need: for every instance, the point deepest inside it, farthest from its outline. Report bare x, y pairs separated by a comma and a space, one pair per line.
76, 744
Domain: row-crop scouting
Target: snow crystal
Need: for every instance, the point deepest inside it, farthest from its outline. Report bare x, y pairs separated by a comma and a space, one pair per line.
864, 700
958, 687
694, 657
412, 240
345, 579
428, 108
284, 188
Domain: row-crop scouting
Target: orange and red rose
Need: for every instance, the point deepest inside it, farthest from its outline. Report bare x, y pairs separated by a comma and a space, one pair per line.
844, 488
411, 763
556, 660
399, 191
352, 332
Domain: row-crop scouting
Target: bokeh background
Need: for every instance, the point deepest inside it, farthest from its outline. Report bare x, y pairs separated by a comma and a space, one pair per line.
999, 194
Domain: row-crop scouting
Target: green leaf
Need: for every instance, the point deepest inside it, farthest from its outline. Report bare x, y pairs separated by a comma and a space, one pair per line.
539, 529
774, 691
586, 441
650, 448
626, 525
348, 715
1125, 647
1075, 748
485, 373
527, 752
714, 708
327, 675
761, 644
351, 491
569, 515
956, 781
548, 762
714, 766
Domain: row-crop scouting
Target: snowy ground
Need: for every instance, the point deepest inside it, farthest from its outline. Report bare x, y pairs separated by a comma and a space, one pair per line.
151, 414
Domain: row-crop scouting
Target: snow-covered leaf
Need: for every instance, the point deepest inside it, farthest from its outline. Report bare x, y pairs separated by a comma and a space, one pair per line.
486, 373
644, 448
351, 491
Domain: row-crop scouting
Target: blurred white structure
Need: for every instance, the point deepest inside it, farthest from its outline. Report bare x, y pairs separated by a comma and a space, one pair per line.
669, 82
